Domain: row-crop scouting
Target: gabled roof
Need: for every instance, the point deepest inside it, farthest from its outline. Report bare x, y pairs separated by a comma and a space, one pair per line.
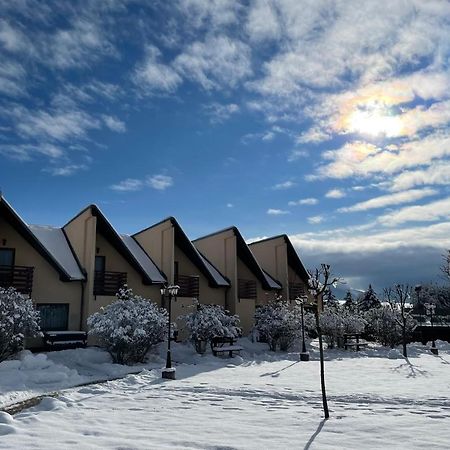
127, 247
51, 243
294, 260
143, 259
215, 278
245, 254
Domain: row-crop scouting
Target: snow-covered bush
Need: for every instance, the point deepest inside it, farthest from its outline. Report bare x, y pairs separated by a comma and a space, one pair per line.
383, 326
208, 321
335, 322
18, 318
279, 323
129, 327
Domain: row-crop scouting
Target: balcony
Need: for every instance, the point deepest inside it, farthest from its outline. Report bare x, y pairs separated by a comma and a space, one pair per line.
296, 290
189, 286
18, 277
109, 283
247, 289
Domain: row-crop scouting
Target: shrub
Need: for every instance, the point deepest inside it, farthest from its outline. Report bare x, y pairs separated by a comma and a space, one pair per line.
383, 326
209, 321
129, 327
279, 323
337, 321
18, 318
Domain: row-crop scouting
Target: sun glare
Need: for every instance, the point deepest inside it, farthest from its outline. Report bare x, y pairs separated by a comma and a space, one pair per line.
374, 122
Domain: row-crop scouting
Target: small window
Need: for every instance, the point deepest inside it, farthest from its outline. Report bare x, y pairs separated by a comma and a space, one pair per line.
6, 256
100, 263
54, 316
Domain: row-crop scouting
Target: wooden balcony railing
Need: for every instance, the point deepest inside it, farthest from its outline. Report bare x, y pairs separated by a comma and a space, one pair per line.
189, 286
18, 277
247, 289
296, 290
109, 283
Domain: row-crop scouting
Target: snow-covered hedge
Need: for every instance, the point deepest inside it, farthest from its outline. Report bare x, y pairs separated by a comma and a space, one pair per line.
279, 323
18, 318
337, 321
208, 321
129, 327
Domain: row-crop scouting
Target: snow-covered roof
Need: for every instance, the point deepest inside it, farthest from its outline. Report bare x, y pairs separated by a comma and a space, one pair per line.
146, 263
55, 241
246, 255
218, 277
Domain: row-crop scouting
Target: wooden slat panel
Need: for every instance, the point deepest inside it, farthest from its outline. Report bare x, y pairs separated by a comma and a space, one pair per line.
18, 277
109, 283
189, 286
247, 289
296, 290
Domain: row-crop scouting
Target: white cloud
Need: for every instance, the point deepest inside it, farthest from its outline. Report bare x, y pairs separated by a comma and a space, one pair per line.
297, 154
152, 75
220, 113
114, 124
304, 201
437, 173
128, 185
210, 13
316, 219
390, 200
215, 63
431, 212
65, 171
335, 193
159, 182
263, 23
277, 212
285, 185
230, 205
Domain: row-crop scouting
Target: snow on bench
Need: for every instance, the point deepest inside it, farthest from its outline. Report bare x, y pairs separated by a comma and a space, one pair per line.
65, 338
223, 345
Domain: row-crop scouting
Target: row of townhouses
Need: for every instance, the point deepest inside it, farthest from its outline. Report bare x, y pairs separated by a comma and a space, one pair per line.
71, 272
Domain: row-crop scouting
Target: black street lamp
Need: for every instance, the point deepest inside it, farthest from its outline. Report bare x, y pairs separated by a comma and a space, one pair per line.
430, 307
304, 355
169, 292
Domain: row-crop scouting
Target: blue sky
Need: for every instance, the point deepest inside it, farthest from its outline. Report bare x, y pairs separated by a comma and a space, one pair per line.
325, 120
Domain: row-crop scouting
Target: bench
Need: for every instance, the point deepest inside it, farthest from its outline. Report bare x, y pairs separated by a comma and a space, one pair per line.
64, 339
224, 345
351, 340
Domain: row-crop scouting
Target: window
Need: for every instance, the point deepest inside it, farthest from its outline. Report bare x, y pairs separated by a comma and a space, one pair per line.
100, 263
54, 316
6, 256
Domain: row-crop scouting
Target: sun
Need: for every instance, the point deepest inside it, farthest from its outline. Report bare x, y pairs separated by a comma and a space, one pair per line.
375, 121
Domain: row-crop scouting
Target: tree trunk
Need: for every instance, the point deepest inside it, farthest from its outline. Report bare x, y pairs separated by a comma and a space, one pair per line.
322, 367
405, 354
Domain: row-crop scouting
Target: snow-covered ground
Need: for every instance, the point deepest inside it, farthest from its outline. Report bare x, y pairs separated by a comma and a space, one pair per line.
260, 400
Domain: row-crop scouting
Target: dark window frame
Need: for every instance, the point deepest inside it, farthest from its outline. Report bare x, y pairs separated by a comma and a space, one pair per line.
13, 250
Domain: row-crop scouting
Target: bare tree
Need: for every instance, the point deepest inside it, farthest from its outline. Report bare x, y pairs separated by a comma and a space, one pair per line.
399, 298
445, 268
320, 281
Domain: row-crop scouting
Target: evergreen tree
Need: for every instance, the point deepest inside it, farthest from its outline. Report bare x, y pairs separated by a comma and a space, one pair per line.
330, 300
369, 300
349, 303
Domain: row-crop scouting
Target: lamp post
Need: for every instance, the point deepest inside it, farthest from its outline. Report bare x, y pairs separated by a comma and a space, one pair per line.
304, 355
430, 307
169, 292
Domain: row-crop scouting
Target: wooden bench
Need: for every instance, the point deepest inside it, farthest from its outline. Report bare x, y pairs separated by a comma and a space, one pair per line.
64, 339
223, 345
351, 340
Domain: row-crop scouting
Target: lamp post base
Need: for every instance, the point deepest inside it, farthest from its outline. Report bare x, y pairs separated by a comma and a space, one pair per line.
169, 373
304, 356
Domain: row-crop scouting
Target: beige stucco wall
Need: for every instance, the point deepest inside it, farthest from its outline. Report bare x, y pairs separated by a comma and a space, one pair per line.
47, 287
220, 249
158, 242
